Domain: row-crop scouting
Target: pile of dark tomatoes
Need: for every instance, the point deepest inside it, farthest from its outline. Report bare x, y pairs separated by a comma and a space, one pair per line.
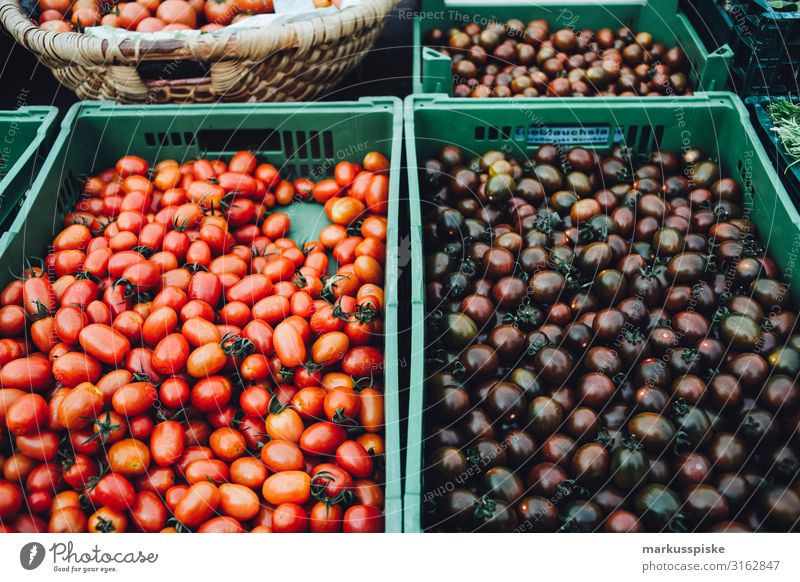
609, 348
178, 363
515, 59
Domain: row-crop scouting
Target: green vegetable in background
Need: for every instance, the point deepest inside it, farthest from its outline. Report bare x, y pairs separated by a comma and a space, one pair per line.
786, 119
783, 6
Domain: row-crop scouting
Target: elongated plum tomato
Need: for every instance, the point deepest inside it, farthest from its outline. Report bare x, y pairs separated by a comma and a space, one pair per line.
104, 344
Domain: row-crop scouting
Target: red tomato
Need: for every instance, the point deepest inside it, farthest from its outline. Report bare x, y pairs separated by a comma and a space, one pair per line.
325, 518
134, 398
198, 504
309, 402
31, 373
280, 455
363, 519
221, 525
362, 361
26, 415
104, 344
167, 443
80, 405
290, 518
171, 354
115, 491
354, 459
10, 500
148, 512
211, 393
322, 438
289, 345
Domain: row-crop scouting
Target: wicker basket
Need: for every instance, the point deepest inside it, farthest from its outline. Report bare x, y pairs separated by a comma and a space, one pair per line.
290, 62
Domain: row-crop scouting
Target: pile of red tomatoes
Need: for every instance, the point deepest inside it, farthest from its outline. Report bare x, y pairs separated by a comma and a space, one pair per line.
178, 363
152, 15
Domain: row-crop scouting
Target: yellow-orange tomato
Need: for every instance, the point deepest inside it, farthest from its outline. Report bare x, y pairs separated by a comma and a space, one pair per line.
238, 501
333, 380
177, 12
368, 270
206, 360
286, 425
200, 332
248, 471
168, 177
67, 520
375, 162
227, 443
330, 347
129, 457
372, 442
345, 210
374, 226
287, 487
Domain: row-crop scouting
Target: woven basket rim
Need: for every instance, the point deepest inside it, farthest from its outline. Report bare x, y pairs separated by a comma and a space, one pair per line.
79, 49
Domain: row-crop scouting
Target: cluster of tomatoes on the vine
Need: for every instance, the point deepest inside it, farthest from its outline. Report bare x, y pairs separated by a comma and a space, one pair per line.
176, 362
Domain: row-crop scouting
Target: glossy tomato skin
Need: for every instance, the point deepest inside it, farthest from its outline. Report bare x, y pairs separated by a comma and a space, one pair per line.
167, 443
363, 519
325, 518
355, 459
115, 491
104, 344
148, 512
27, 414
198, 504
211, 393
361, 361
10, 500
280, 455
29, 373
322, 438
287, 487
171, 354
290, 518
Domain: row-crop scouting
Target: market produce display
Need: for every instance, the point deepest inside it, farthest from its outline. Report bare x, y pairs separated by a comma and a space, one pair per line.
531, 60
152, 15
609, 348
178, 363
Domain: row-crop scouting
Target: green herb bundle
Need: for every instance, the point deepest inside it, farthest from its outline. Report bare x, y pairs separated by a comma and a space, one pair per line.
784, 6
786, 121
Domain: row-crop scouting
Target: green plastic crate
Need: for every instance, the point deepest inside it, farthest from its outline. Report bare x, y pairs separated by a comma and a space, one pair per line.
432, 70
25, 135
716, 122
300, 139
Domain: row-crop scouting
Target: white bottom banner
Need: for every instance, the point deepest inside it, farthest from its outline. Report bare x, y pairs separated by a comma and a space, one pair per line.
461, 557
